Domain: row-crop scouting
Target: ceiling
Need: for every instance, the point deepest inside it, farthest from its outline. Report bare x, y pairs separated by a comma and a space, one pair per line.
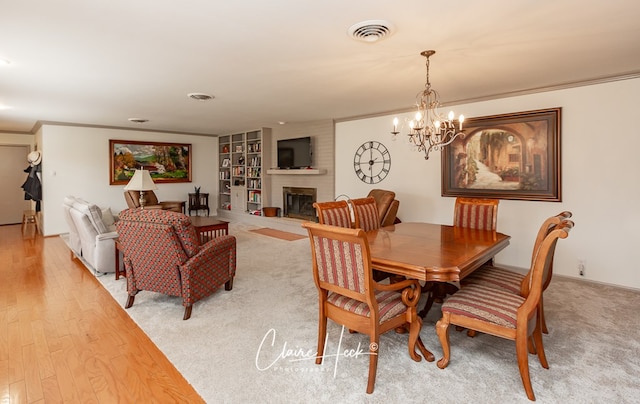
95, 62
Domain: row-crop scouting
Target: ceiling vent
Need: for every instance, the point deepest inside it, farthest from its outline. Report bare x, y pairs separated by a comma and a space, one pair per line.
371, 30
200, 96
138, 120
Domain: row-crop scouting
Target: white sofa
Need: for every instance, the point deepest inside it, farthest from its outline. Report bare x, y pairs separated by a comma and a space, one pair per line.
92, 234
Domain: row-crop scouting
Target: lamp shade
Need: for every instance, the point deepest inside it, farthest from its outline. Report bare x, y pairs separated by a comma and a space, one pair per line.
141, 181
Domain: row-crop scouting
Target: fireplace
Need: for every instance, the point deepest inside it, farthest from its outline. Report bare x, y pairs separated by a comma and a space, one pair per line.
298, 203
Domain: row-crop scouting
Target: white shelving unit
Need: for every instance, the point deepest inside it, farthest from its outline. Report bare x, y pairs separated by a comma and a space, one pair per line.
244, 185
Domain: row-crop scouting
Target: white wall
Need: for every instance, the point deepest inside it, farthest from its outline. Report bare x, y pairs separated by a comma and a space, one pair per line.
76, 162
599, 144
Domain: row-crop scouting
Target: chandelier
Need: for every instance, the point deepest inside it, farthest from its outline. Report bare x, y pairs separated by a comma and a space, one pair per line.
430, 130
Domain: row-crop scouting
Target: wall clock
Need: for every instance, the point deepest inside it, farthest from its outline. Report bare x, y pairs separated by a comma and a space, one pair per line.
372, 162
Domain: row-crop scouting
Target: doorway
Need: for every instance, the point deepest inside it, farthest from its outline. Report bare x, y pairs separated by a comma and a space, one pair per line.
13, 161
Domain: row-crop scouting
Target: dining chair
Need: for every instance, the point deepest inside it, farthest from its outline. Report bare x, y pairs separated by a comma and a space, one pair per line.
468, 213
516, 282
476, 213
504, 314
334, 213
349, 296
365, 212
387, 205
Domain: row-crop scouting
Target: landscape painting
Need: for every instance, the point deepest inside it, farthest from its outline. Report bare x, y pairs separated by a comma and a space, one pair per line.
166, 162
509, 156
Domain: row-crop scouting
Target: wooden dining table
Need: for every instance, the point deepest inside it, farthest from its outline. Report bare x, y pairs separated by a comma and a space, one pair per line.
433, 252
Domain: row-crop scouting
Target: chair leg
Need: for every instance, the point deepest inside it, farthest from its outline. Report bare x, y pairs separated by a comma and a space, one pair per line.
187, 312
374, 343
442, 329
130, 301
539, 345
322, 332
523, 364
229, 284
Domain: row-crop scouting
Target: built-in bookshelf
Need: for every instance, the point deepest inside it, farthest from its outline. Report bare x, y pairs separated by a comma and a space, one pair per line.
244, 185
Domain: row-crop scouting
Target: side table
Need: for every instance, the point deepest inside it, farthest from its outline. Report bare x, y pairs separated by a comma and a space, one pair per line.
118, 271
208, 227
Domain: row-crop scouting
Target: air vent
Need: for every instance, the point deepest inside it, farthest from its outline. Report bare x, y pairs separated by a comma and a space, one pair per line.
200, 96
370, 31
138, 120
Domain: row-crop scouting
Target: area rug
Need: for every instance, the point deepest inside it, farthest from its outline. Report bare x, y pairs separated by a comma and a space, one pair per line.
283, 235
256, 343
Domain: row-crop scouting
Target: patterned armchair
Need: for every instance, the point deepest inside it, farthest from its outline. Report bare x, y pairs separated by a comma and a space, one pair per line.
162, 253
349, 296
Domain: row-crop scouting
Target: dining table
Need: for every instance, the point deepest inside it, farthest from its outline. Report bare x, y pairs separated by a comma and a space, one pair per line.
432, 253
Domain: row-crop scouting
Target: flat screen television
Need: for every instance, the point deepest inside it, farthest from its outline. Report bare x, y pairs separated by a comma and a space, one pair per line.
294, 153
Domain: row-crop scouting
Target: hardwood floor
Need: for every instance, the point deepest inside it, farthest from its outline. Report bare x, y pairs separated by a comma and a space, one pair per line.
64, 339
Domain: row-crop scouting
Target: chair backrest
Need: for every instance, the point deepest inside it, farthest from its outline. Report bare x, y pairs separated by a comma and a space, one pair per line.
334, 213
387, 205
341, 261
171, 221
133, 198
476, 213
365, 211
547, 227
541, 264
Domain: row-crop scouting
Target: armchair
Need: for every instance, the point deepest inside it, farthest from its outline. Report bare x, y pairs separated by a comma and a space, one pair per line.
133, 201
162, 253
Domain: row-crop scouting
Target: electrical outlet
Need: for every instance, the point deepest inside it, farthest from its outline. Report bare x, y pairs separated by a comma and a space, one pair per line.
582, 266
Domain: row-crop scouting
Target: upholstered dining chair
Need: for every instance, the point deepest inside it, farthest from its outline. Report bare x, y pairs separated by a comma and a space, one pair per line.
162, 253
365, 213
504, 314
516, 282
387, 206
468, 213
334, 213
476, 213
349, 296
133, 201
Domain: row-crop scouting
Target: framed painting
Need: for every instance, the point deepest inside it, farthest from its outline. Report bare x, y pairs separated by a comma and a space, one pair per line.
166, 162
509, 156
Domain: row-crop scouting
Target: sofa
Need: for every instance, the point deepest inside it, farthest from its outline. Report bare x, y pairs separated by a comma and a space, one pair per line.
92, 234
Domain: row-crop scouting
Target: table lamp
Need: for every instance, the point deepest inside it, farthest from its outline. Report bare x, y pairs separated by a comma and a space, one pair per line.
141, 181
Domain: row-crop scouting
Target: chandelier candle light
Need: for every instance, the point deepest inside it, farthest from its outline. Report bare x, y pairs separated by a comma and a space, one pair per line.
430, 130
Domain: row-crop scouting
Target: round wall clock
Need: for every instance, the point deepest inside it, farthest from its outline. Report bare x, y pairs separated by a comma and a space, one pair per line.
372, 162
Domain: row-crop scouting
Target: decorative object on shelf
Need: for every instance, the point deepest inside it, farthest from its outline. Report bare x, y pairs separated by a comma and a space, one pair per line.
141, 181
166, 162
508, 156
430, 130
372, 162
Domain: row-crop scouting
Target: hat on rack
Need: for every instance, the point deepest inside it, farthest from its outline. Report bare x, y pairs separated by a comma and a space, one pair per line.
34, 158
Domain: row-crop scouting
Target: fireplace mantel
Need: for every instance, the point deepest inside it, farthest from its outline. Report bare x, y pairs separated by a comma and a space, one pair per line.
302, 171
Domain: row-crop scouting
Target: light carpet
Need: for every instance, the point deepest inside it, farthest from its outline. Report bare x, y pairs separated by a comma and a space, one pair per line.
241, 345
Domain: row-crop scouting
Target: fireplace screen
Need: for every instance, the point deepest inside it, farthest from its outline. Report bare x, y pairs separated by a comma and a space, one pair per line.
298, 203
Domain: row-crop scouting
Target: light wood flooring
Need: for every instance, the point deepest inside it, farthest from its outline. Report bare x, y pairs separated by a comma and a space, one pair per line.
63, 338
